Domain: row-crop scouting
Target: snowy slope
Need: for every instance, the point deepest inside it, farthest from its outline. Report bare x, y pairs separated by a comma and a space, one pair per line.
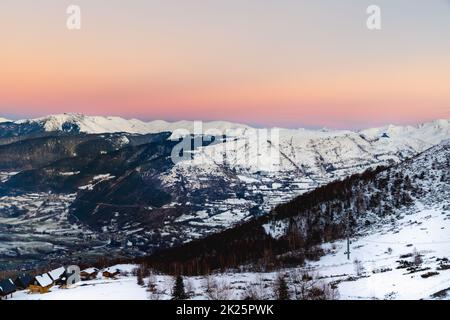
98, 124
404, 254
217, 190
122, 288
304, 160
422, 182
399, 224
427, 230
4, 120
315, 152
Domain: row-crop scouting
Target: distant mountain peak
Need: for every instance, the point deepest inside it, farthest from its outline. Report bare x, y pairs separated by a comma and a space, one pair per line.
112, 124
68, 122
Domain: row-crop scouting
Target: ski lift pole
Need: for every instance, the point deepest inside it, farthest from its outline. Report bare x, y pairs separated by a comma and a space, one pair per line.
348, 236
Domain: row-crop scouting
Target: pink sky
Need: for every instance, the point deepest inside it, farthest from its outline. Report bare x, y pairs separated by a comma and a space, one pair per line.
279, 63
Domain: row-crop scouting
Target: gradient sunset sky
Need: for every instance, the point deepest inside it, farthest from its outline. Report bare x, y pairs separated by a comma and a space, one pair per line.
288, 63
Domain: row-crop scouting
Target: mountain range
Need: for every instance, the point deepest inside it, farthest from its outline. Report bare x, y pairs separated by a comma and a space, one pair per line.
84, 187
79, 123
383, 201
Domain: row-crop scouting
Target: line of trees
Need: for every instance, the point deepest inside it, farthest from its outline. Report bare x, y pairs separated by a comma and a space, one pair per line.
290, 285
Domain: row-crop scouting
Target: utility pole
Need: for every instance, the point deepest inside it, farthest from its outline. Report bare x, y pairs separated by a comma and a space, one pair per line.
348, 235
348, 248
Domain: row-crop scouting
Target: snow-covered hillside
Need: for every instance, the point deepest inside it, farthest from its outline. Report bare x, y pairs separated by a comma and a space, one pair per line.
123, 287
4, 120
98, 124
223, 185
303, 160
316, 153
427, 132
387, 197
408, 259
398, 220
404, 257
403, 253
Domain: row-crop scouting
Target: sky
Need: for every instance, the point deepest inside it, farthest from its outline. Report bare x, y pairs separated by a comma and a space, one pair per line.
288, 63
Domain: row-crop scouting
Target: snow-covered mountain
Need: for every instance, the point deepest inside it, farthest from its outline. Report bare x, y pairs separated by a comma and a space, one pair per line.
72, 122
302, 160
397, 219
432, 132
117, 193
122, 190
100, 124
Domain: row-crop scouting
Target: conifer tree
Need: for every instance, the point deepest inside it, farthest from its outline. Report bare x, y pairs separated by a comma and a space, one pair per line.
282, 290
179, 292
140, 278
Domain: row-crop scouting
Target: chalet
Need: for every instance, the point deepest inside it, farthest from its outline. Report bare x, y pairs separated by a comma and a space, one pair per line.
89, 274
7, 287
41, 284
58, 276
23, 281
110, 273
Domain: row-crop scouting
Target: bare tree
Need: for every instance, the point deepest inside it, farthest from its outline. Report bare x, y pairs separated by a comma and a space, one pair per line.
190, 289
322, 291
417, 257
302, 283
140, 278
359, 267
217, 290
256, 290
307, 287
152, 283
154, 295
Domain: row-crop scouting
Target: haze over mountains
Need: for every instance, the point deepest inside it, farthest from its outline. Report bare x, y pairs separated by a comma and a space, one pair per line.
89, 186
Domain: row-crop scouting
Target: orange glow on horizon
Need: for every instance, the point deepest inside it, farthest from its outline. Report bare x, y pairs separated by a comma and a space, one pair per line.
194, 65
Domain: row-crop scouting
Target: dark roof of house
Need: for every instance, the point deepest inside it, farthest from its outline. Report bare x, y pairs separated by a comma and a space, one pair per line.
7, 287
24, 281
